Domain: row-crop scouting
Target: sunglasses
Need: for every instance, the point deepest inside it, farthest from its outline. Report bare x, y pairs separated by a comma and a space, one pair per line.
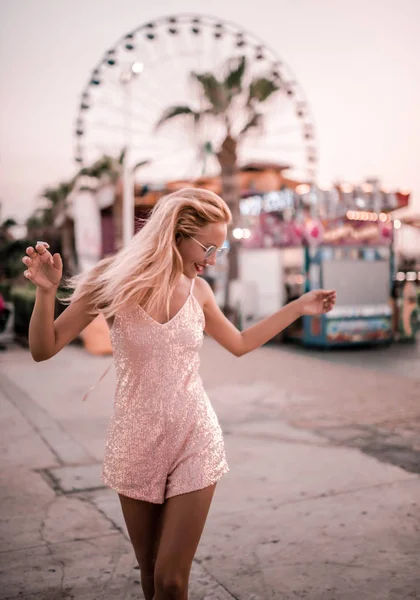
210, 250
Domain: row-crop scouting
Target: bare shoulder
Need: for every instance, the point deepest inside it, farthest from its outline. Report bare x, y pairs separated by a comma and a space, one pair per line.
202, 291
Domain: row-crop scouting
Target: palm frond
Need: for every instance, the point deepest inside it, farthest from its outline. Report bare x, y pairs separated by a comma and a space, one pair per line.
175, 111
255, 120
121, 157
213, 90
260, 89
140, 164
233, 80
105, 165
51, 194
65, 188
8, 223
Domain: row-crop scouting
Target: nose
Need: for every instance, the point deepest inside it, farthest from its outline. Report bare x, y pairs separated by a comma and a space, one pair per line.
211, 260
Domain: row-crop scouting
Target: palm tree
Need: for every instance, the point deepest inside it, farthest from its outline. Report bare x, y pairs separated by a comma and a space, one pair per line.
57, 211
46, 219
224, 98
108, 169
8, 223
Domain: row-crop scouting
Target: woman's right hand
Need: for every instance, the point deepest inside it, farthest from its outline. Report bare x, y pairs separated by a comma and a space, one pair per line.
43, 269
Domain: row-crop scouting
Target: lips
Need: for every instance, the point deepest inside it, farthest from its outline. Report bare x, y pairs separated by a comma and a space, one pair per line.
199, 268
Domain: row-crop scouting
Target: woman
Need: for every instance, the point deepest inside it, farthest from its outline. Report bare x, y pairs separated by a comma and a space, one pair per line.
164, 452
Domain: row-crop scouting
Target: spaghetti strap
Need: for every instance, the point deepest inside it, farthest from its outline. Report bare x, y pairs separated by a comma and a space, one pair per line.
192, 286
92, 387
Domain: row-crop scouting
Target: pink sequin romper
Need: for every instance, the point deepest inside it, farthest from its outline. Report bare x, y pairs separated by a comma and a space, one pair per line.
164, 437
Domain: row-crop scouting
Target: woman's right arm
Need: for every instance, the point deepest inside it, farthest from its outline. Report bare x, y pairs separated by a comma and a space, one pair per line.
46, 336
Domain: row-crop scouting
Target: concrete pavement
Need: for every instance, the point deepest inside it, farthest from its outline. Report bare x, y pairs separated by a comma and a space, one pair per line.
322, 500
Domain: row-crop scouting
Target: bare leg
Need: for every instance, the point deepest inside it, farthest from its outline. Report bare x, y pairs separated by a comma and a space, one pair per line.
142, 520
182, 524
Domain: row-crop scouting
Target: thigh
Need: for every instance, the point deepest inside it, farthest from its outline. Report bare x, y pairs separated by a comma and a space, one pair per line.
143, 522
183, 521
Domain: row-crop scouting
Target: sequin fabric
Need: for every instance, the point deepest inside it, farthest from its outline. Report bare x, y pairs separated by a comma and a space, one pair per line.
164, 437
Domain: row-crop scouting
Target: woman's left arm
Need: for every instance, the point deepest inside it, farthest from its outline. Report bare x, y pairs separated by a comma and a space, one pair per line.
239, 343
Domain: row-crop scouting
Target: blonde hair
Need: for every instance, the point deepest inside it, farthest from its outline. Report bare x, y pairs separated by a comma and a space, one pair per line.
146, 271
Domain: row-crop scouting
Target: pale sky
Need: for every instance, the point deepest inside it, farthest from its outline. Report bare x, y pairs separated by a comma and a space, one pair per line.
357, 62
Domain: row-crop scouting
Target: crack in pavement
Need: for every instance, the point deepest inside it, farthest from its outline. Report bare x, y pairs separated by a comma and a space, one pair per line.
50, 551
274, 438
332, 494
390, 447
91, 502
62, 445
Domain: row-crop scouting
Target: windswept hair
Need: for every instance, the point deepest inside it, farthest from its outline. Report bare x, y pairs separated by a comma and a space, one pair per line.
146, 271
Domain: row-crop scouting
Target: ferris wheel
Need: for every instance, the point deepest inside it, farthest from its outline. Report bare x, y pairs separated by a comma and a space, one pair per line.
149, 69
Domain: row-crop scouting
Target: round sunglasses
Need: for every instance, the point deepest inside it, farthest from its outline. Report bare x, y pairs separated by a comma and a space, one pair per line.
210, 250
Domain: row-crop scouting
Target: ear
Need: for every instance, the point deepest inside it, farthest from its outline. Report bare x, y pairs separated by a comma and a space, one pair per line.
178, 238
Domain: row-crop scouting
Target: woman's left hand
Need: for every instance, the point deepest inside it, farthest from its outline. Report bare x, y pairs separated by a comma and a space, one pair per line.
316, 302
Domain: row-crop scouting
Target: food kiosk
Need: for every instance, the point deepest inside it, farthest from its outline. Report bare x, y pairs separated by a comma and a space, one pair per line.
285, 253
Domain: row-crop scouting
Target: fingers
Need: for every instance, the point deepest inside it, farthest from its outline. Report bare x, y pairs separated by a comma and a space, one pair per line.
328, 302
329, 296
57, 262
28, 261
40, 252
328, 299
41, 249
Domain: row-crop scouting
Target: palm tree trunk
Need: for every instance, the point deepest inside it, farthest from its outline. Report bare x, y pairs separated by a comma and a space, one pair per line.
67, 247
227, 157
117, 215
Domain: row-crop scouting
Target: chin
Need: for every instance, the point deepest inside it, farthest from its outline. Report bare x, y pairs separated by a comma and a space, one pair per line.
191, 273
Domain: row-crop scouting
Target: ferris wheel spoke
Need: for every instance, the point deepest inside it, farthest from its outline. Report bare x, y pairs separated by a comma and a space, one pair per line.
121, 110
148, 105
165, 60
286, 129
104, 125
104, 150
108, 105
122, 88
190, 169
177, 84
169, 154
183, 133
277, 147
139, 138
154, 160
